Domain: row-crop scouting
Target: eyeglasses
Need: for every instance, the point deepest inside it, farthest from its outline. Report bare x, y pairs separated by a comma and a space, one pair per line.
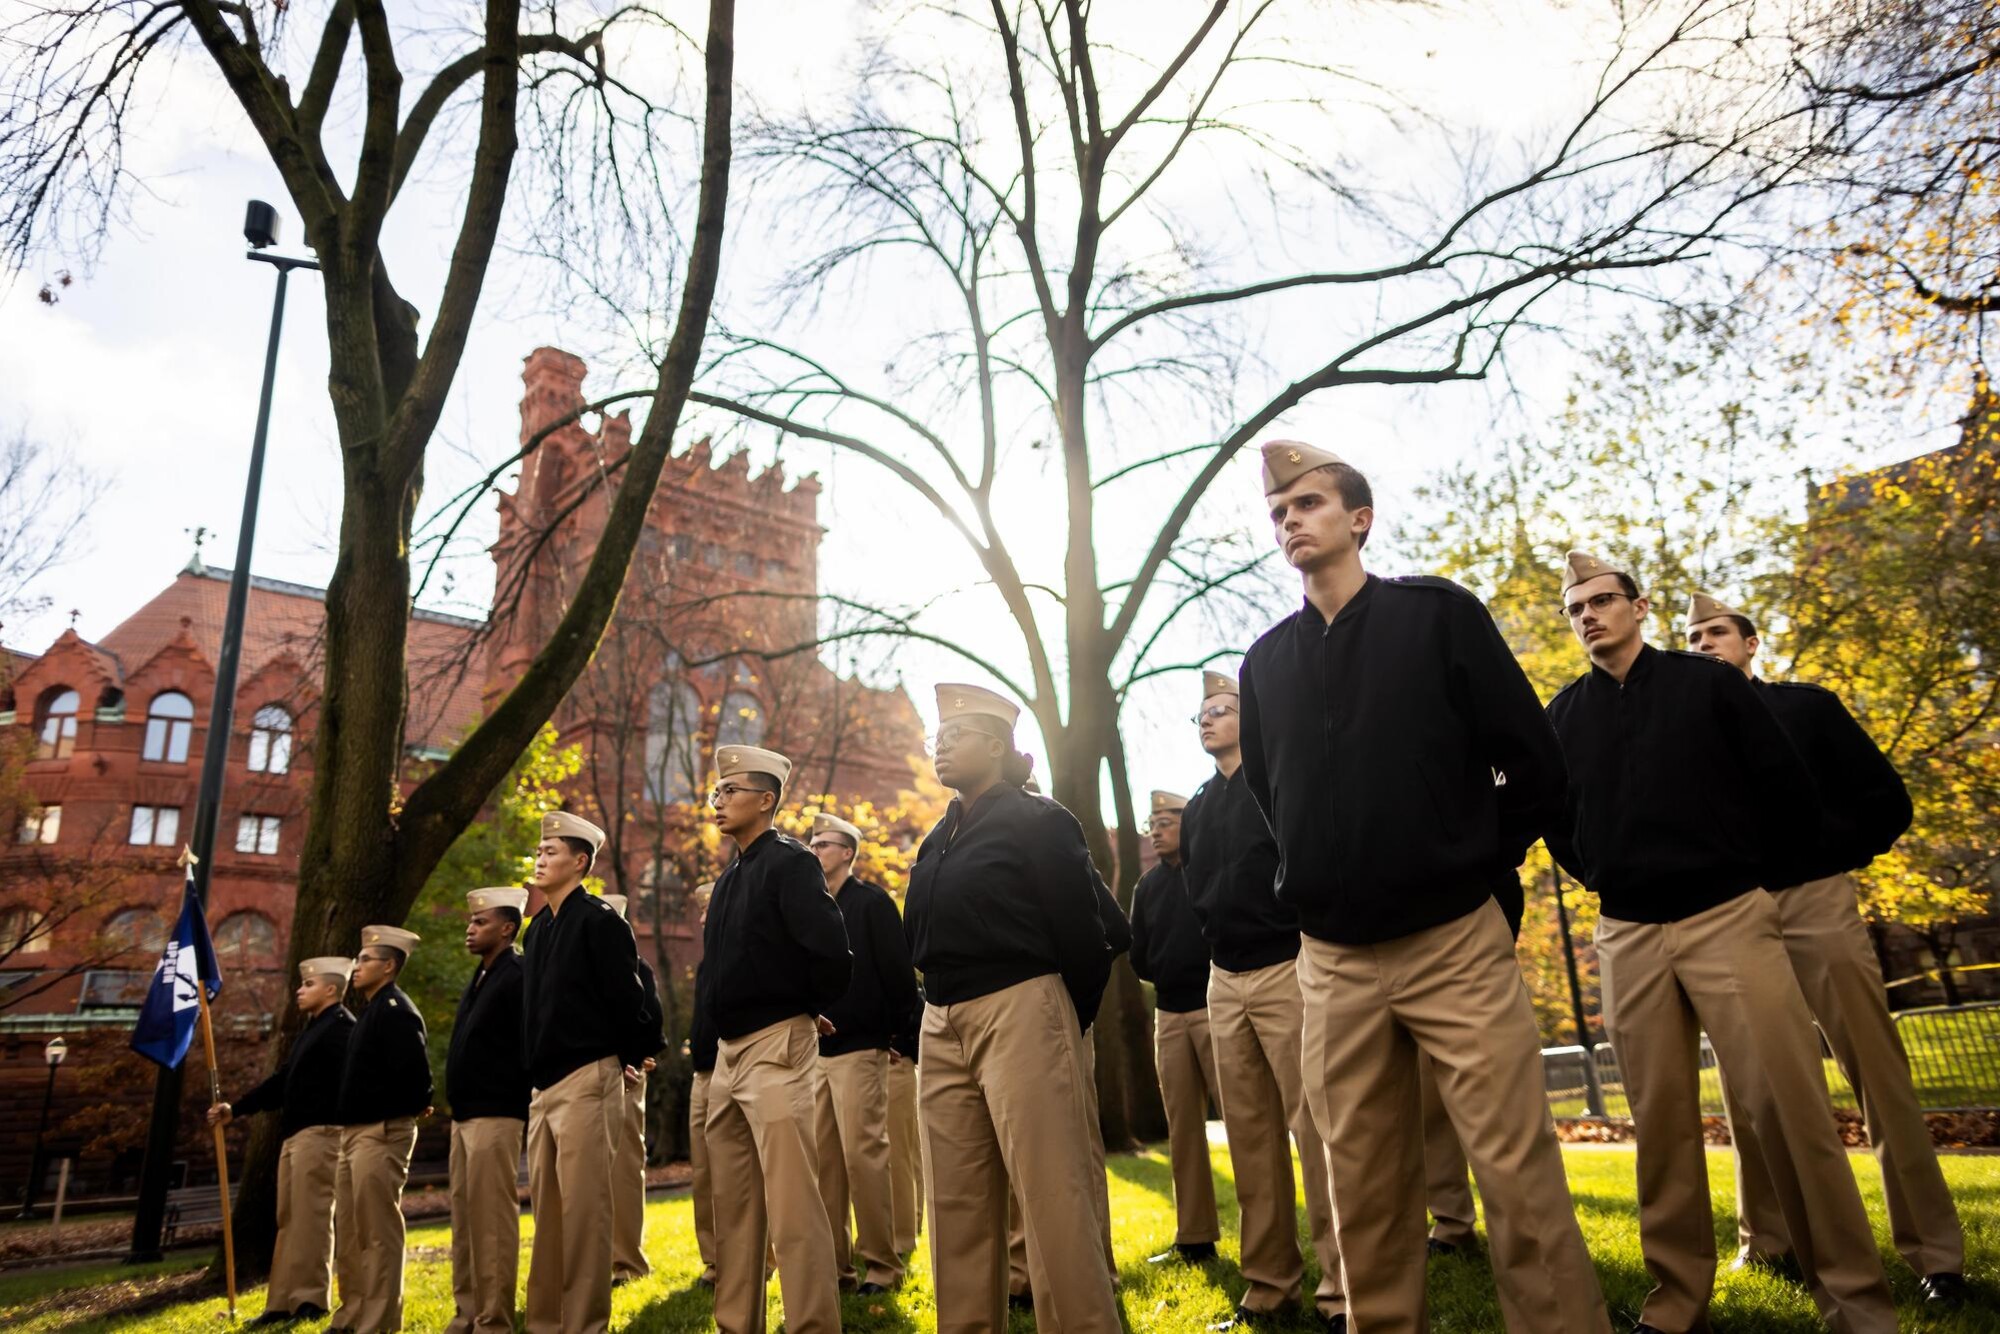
1160, 823
1214, 713
1597, 602
725, 791
948, 737
826, 843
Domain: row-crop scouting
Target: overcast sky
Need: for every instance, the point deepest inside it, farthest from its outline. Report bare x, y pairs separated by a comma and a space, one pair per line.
147, 369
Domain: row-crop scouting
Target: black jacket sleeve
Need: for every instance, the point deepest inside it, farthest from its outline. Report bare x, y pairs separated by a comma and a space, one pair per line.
1876, 794
1117, 931
268, 1096
1142, 959
1513, 730
1069, 887
1770, 763
648, 1037
622, 998
1560, 836
814, 920
891, 953
1250, 740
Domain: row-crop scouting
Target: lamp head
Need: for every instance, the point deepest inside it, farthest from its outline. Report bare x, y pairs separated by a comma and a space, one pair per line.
260, 225
55, 1051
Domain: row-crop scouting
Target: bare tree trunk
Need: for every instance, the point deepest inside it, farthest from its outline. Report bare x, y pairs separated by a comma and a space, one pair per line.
1940, 939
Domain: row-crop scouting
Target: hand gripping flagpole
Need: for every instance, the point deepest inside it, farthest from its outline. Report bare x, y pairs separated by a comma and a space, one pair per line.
188, 859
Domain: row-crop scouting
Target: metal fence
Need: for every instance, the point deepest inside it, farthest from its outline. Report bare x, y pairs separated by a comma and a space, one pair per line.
1954, 1055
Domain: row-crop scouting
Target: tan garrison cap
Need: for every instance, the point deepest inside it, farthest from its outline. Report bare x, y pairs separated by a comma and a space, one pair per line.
704, 889
1285, 461
1708, 607
392, 936
561, 824
1218, 683
616, 901
1581, 565
957, 701
1167, 801
325, 967
833, 824
480, 900
733, 760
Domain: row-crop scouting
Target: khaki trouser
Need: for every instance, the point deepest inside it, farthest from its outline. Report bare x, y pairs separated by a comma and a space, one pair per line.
628, 1189
1004, 1100
573, 1129
485, 1223
763, 1159
1725, 971
852, 1125
1452, 993
302, 1259
378, 1163
703, 1186
1254, 1020
1836, 968
906, 1153
1020, 1266
1446, 1186
1186, 1061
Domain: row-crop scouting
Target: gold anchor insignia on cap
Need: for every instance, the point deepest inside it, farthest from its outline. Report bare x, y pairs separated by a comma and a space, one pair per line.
958, 703
1291, 456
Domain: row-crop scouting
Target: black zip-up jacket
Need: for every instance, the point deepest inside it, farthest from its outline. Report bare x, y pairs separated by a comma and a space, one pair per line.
1002, 892
305, 1089
484, 1072
1376, 745
1684, 790
1168, 948
1229, 863
702, 1042
1864, 807
388, 1071
882, 995
775, 945
581, 996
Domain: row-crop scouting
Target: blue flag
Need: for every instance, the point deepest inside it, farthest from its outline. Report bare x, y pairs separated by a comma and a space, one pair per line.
167, 1019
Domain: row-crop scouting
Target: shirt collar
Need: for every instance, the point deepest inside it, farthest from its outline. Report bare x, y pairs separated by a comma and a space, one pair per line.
757, 844
1310, 619
1642, 667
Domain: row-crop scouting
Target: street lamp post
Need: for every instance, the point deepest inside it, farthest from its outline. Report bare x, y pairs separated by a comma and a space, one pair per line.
260, 229
1593, 1095
53, 1054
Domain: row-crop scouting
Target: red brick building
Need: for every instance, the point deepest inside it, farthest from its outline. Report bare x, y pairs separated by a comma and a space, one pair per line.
109, 737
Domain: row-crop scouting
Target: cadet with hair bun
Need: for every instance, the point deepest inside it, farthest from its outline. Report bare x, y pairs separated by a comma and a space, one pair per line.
1003, 921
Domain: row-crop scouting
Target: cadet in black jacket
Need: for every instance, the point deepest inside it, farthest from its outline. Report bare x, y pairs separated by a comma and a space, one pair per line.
1256, 1017
384, 1088
1864, 809
1685, 796
853, 1103
1004, 920
628, 1167
774, 957
582, 1035
486, 1083
1405, 767
1169, 951
305, 1092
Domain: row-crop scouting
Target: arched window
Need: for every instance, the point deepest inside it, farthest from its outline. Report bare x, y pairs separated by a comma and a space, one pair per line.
741, 722
673, 719
248, 935
136, 929
57, 737
169, 724
22, 932
270, 741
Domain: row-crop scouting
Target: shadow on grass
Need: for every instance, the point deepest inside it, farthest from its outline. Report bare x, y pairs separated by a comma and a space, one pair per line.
1144, 1171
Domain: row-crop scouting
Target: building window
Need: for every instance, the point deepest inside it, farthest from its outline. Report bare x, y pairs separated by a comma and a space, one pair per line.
680, 546
22, 931
746, 564
742, 720
774, 570
57, 738
258, 834
157, 826
270, 741
42, 826
711, 555
673, 717
249, 935
136, 929
169, 724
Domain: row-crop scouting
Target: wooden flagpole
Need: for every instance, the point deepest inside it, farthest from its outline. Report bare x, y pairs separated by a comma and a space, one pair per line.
221, 1141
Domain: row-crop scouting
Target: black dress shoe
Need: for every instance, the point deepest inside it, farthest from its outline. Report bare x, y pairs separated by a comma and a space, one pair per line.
1434, 1247
308, 1311
1194, 1252
1020, 1301
273, 1318
871, 1289
1336, 1324
1783, 1264
704, 1281
1944, 1289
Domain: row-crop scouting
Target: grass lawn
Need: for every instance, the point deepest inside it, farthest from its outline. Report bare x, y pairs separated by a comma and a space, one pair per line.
1155, 1300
